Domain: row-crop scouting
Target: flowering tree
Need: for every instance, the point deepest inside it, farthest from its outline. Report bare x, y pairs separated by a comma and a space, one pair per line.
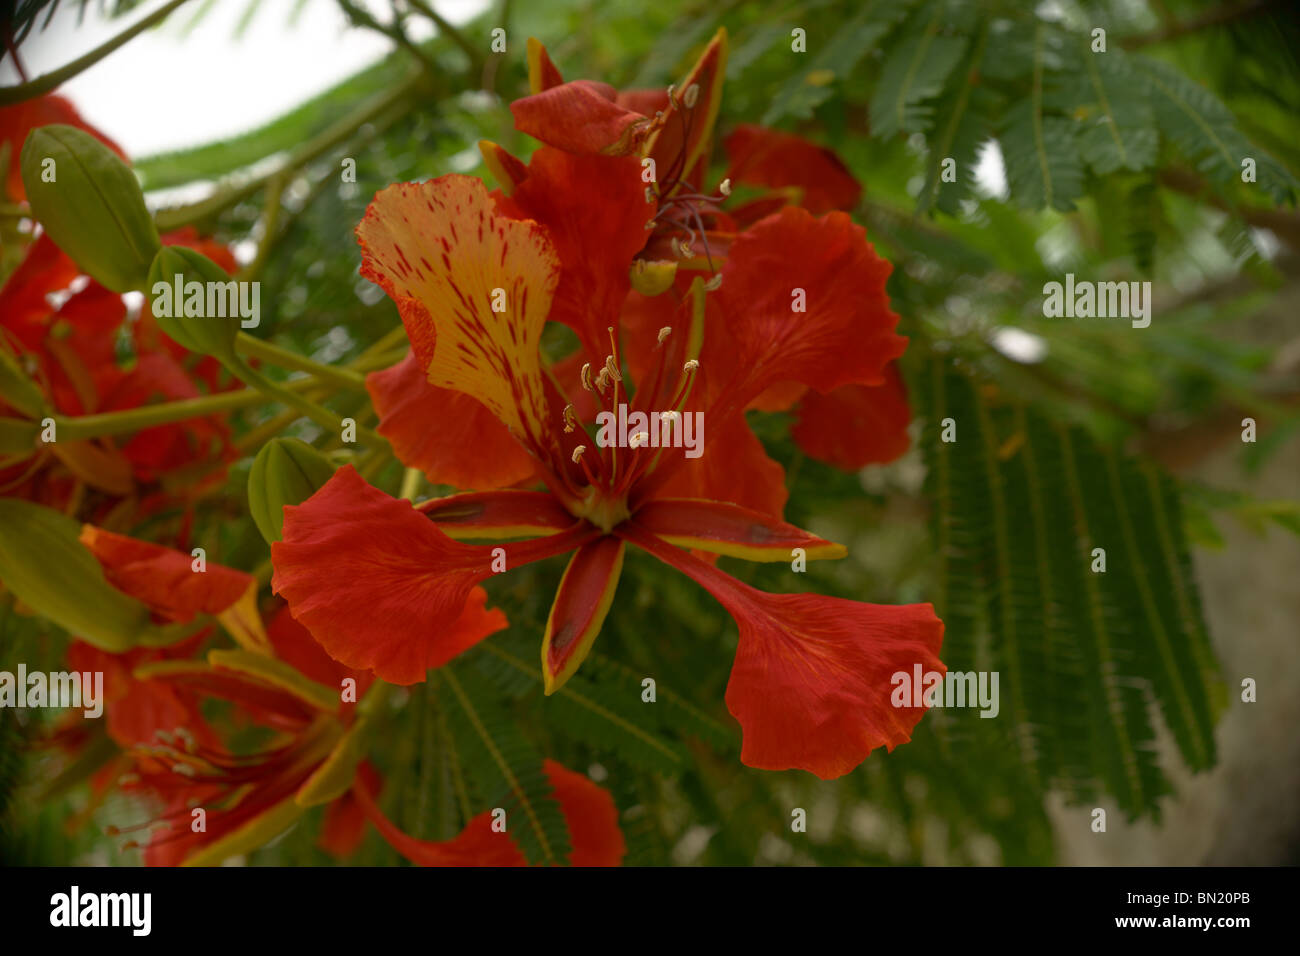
700, 452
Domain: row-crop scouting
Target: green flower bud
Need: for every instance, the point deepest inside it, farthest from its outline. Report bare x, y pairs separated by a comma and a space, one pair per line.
189, 295
89, 202
286, 472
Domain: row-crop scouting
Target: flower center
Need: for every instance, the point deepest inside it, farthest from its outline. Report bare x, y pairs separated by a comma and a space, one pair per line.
613, 469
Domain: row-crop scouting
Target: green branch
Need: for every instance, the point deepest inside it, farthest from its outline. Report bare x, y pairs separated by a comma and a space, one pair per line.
50, 81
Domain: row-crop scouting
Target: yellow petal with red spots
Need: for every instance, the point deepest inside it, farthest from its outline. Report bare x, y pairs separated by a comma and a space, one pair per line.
474, 289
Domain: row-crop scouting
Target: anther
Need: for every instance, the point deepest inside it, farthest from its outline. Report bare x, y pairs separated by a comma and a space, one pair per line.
602, 380
691, 366
586, 378
650, 196
713, 282
666, 331
724, 187
639, 439
672, 93
692, 96
612, 369
577, 453
570, 420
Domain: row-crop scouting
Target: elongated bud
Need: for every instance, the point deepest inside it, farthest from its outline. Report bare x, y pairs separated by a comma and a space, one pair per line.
185, 288
286, 472
89, 202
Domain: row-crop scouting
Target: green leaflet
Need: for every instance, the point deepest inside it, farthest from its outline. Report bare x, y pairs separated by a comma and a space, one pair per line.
1206, 132
613, 719
1118, 129
503, 767
1040, 149
1020, 505
834, 58
914, 73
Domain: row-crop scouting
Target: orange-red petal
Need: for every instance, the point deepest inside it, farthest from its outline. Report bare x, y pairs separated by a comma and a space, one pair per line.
430, 428
481, 515
589, 811
542, 73
595, 250
767, 157
20, 119
380, 587
683, 134
165, 579
845, 333
581, 602
813, 677
734, 467
727, 529
581, 117
855, 425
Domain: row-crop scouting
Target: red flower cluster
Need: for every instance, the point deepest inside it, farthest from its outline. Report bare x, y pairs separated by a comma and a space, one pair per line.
73, 337
679, 304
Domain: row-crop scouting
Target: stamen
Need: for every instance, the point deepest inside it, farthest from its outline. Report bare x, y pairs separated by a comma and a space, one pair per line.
586, 377
602, 380
724, 187
637, 440
612, 369
578, 452
666, 331
713, 283
570, 419
691, 365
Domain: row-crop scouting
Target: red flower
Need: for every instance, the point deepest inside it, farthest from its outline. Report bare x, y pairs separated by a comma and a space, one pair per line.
588, 809
475, 278
20, 119
67, 329
851, 427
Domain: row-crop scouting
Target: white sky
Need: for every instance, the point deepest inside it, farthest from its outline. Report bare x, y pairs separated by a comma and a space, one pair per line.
164, 91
